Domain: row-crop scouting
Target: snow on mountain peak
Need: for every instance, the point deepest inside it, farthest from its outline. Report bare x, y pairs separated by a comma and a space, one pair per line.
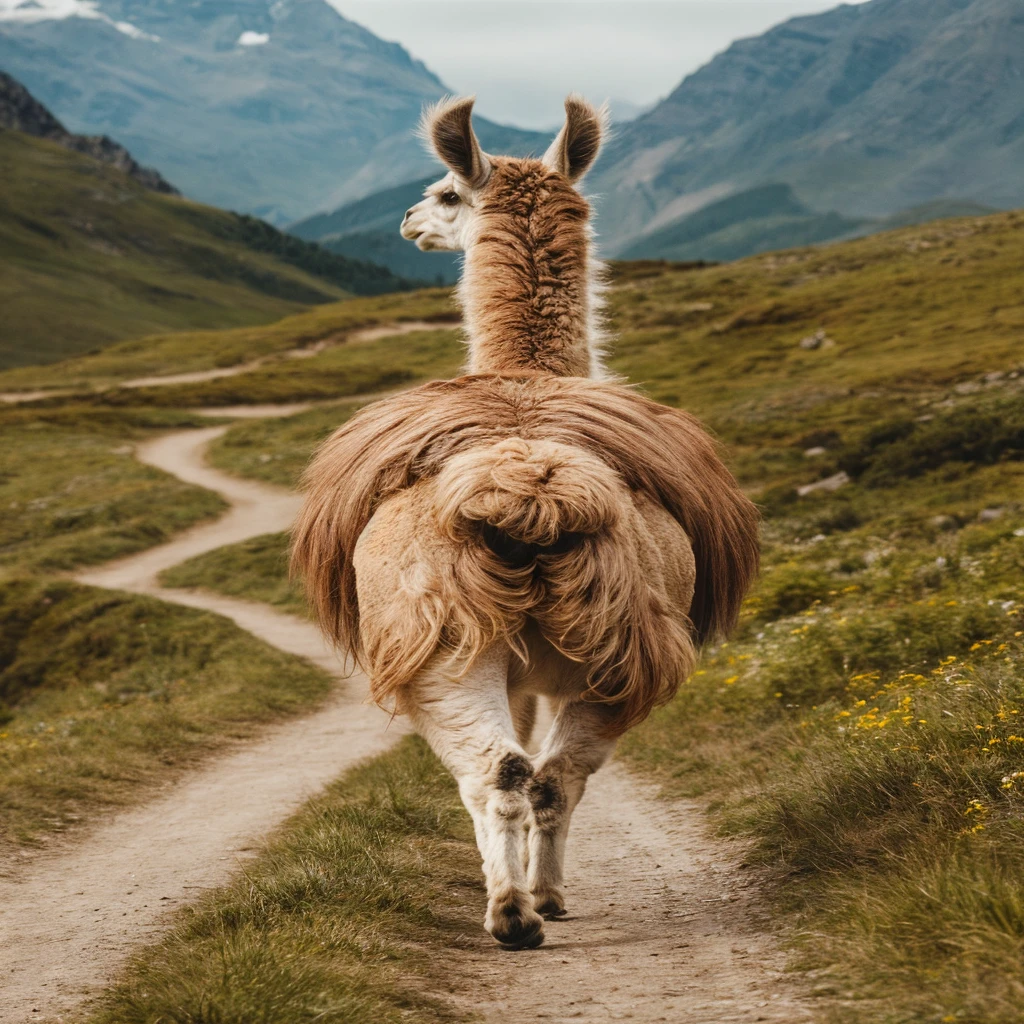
253, 38
58, 10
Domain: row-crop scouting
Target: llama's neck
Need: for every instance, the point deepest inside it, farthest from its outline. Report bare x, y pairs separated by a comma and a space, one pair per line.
531, 298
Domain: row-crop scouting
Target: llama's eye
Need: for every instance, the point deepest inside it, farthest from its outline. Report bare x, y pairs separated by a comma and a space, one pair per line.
450, 198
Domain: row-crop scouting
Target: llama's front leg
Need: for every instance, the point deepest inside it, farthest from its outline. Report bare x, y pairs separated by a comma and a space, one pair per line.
468, 723
577, 745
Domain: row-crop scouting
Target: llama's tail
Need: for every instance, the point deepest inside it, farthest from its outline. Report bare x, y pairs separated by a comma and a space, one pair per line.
526, 498
550, 532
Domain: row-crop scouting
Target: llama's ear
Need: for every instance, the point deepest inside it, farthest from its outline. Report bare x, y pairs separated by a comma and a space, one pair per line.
576, 146
448, 127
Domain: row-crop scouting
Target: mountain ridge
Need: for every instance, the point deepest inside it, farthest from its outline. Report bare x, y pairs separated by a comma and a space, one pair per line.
867, 109
91, 254
288, 106
21, 111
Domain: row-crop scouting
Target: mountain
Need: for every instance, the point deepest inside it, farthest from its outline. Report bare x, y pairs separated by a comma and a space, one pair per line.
757, 220
21, 111
865, 109
368, 229
90, 255
275, 107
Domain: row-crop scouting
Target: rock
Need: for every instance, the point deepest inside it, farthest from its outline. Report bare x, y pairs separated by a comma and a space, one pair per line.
830, 483
819, 339
813, 453
968, 387
990, 515
946, 523
20, 111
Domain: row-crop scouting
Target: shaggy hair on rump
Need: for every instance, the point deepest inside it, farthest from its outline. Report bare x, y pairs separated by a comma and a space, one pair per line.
558, 465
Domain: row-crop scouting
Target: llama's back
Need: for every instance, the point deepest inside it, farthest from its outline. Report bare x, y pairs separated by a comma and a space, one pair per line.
451, 516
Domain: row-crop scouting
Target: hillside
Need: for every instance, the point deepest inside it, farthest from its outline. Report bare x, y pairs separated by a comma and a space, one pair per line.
277, 108
20, 111
758, 220
861, 731
90, 256
801, 104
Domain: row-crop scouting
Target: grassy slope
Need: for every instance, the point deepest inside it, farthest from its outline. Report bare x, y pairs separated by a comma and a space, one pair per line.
188, 351
255, 569
103, 695
89, 257
863, 727
342, 370
334, 922
73, 495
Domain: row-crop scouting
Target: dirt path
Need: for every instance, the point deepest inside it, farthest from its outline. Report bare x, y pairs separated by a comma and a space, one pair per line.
361, 337
661, 925
68, 919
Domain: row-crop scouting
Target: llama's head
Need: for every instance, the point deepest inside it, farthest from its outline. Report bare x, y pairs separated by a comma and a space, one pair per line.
449, 216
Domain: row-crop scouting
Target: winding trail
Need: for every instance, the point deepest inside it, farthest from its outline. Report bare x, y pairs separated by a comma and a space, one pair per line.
69, 918
363, 336
662, 924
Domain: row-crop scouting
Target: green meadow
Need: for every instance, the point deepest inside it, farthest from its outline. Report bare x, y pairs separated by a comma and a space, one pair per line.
861, 729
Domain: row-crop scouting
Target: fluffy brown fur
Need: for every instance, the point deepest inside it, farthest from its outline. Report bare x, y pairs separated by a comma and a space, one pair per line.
526, 288
614, 477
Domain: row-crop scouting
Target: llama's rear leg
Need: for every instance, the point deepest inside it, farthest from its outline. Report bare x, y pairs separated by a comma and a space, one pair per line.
468, 722
577, 745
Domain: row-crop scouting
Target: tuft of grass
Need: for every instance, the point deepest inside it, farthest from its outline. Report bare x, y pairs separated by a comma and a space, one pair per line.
333, 920
256, 569
103, 695
277, 451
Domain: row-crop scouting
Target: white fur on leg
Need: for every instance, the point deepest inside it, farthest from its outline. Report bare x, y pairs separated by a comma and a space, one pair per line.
575, 748
468, 722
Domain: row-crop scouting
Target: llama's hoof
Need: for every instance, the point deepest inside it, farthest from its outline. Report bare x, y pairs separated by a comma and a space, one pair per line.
516, 928
551, 911
549, 904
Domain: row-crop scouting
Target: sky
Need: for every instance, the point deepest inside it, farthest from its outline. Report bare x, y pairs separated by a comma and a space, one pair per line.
521, 57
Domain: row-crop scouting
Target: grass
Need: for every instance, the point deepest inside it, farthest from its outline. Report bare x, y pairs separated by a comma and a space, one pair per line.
333, 921
256, 569
104, 695
91, 257
73, 495
189, 351
339, 371
862, 728
277, 451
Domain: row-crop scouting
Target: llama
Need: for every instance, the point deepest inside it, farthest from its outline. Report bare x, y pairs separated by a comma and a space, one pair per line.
528, 529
